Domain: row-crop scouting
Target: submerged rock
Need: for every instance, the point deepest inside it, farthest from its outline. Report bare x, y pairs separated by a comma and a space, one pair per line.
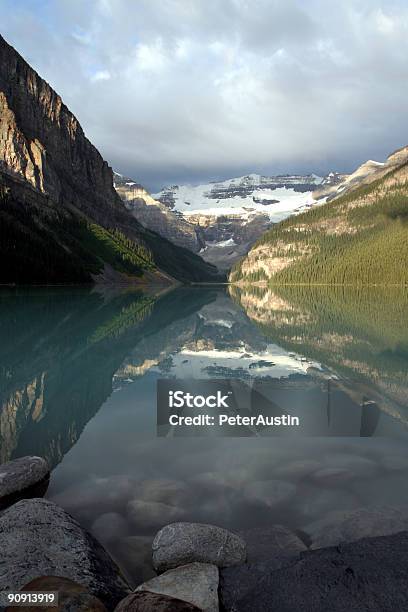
38, 538
152, 514
23, 477
369, 575
297, 470
134, 555
164, 490
144, 601
352, 525
109, 526
318, 502
270, 492
196, 583
181, 543
71, 596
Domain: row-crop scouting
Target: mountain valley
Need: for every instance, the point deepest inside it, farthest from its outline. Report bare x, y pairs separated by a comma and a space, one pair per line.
222, 220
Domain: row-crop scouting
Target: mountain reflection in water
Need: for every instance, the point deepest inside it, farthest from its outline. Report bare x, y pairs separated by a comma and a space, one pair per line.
78, 375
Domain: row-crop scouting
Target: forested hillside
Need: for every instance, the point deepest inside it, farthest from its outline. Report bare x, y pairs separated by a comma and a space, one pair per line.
358, 238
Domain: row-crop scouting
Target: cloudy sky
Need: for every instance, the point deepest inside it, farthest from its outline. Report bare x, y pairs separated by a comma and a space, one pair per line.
195, 90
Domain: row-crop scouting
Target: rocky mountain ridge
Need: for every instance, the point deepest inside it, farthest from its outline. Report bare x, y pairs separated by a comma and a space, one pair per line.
365, 174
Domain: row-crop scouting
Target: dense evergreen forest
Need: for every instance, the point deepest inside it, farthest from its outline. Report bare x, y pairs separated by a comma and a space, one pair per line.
359, 238
44, 243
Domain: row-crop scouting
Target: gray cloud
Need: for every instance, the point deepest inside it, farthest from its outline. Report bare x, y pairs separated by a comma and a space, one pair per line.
173, 91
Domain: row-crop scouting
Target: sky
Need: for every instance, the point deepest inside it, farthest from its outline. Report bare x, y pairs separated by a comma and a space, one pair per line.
189, 91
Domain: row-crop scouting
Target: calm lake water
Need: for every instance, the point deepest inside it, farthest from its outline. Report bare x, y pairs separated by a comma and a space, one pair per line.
78, 379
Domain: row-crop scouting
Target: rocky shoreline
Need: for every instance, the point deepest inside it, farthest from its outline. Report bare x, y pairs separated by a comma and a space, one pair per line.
354, 560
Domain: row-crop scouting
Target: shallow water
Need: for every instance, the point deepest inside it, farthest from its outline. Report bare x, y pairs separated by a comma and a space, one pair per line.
78, 378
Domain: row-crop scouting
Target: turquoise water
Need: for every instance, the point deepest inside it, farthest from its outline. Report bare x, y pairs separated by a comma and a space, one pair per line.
78, 378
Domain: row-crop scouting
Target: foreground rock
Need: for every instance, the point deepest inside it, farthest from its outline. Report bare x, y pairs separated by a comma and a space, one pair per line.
23, 477
352, 525
274, 542
269, 549
38, 538
369, 575
195, 583
71, 596
143, 601
182, 543
236, 582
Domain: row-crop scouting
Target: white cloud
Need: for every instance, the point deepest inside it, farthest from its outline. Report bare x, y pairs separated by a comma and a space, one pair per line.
198, 90
385, 23
101, 75
150, 57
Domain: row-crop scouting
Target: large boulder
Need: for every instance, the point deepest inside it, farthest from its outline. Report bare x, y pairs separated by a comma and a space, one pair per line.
238, 581
370, 575
273, 542
38, 538
23, 477
269, 549
348, 526
143, 601
195, 583
71, 596
182, 543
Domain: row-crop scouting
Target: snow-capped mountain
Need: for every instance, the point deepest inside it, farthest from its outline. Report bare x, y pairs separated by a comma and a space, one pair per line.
274, 196
222, 220
234, 213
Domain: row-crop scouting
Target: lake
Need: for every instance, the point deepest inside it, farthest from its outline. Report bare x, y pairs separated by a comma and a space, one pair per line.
78, 380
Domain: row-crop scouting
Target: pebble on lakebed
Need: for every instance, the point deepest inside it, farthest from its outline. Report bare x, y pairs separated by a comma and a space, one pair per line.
23, 477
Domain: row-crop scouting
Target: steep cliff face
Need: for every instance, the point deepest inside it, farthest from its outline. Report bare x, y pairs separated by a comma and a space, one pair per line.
43, 142
77, 213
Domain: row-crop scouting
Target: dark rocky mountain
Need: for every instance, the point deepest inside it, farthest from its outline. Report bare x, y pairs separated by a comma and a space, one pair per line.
61, 219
